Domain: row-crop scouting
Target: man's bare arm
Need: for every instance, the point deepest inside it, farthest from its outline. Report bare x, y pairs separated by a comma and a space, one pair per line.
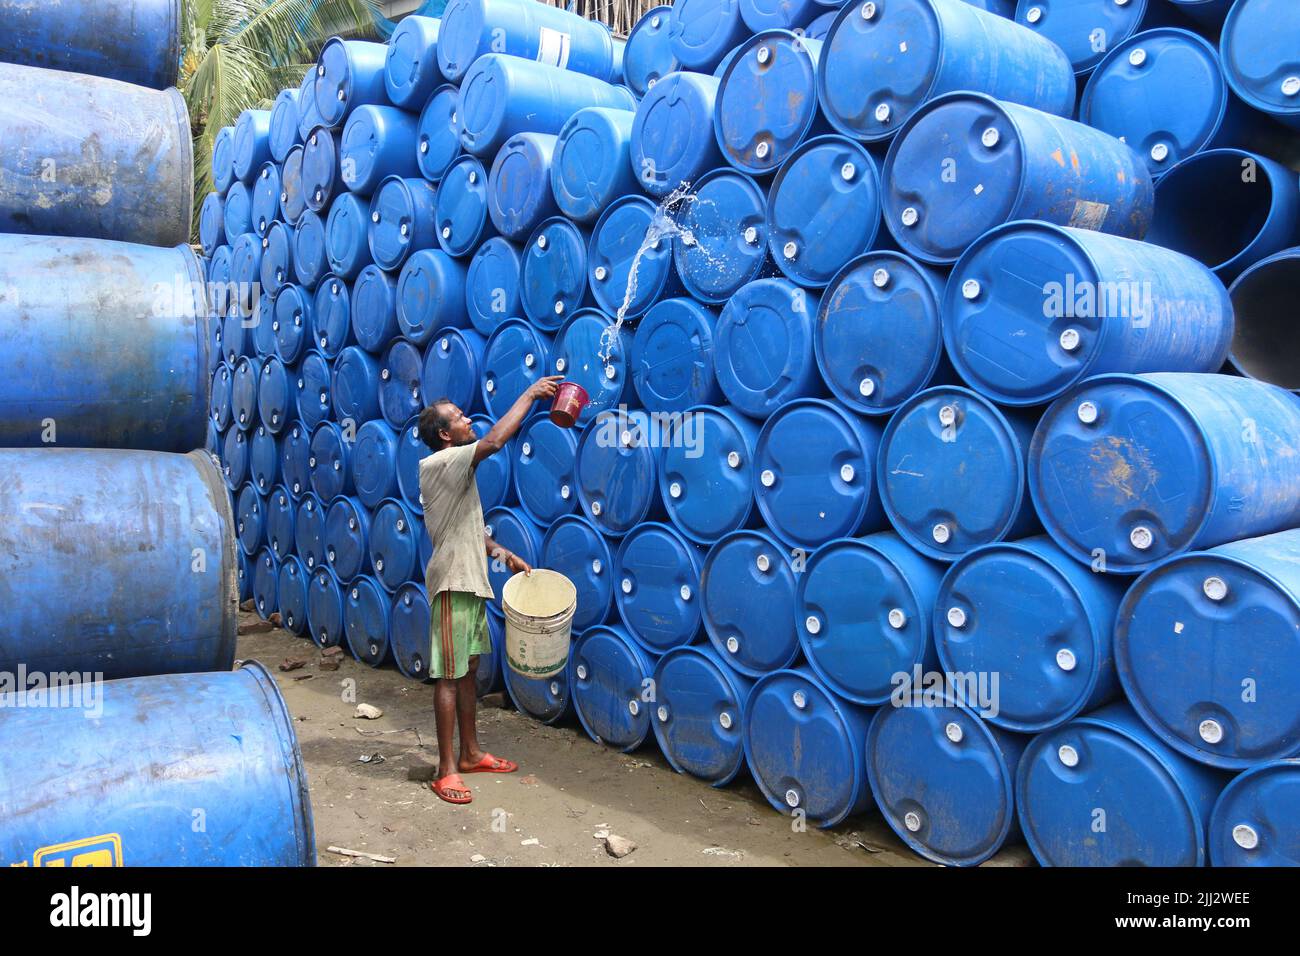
508, 424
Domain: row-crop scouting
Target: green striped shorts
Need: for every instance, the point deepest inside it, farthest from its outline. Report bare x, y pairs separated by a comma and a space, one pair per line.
458, 630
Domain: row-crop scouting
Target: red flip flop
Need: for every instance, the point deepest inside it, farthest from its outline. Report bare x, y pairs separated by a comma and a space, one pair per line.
452, 782
491, 764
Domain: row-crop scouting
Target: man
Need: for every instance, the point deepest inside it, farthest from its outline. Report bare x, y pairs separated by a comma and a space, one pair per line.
456, 579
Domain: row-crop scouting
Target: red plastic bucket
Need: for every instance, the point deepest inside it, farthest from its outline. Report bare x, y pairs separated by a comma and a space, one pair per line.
570, 399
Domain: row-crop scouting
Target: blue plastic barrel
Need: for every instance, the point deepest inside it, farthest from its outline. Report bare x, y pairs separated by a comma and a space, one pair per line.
280, 515
237, 212
292, 591
264, 459
806, 747
1128, 469
212, 224
1260, 47
698, 714
313, 384
536, 32
374, 463
672, 135
410, 451
544, 469
492, 284
591, 350
95, 158
439, 137
374, 309
264, 327
461, 211
607, 674
702, 32
494, 475
295, 452
308, 115
1256, 820
321, 174
760, 15
292, 200
516, 356
513, 530
284, 134
349, 74
310, 260
401, 220
430, 295
399, 377
252, 145
234, 457
355, 388
452, 368
1099, 183
553, 278
1104, 791
519, 193
592, 162
615, 471
276, 267
266, 583
707, 474
658, 595
250, 520
265, 203
347, 538
747, 589
1265, 346
545, 699
292, 322
488, 679
1208, 13
330, 461
243, 393
411, 71
377, 141
395, 544
672, 357
223, 160
648, 56
347, 230
763, 346
309, 530
575, 548
155, 596
325, 608
722, 238
219, 402
276, 398
630, 259
1088, 29
365, 621
408, 631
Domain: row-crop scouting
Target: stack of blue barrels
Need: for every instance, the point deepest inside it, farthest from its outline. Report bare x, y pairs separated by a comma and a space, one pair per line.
119, 568
941, 452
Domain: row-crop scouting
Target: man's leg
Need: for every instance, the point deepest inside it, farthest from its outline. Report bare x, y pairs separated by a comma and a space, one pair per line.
444, 714
466, 714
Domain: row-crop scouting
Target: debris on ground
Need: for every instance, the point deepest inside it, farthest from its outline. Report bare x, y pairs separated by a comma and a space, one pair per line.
531, 841
375, 758
528, 780
368, 712
344, 851
617, 846
329, 663
291, 664
255, 627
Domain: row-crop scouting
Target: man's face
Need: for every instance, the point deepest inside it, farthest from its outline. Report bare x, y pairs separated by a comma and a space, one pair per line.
461, 429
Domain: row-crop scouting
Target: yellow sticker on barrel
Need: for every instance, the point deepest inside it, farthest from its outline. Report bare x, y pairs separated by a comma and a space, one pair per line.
104, 850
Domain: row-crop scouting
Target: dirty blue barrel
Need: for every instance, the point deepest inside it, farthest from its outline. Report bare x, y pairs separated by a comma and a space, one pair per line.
1088, 29
494, 475
438, 138
1257, 818
863, 608
325, 608
502, 96
816, 466
291, 588
347, 538
262, 320
284, 134
1104, 791
212, 224
519, 193
330, 461
276, 400
747, 589
492, 284
401, 220
672, 135
630, 259
374, 463
544, 469
1260, 46
365, 621
252, 146
234, 457
265, 203
377, 141
349, 74
313, 390
1130, 469
766, 103
760, 15
90, 131
394, 544
944, 780
615, 471
243, 393
355, 388
823, 209
250, 520
702, 32
953, 472
516, 356
411, 71
223, 160
374, 312
545, 699
309, 531
231, 730
347, 245
1227, 208
156, 596
553, 279
219, 403
591, 350
237, 212
292, 201
1105, 304
722, 238
218, 283
877, 71
321, 174
819, 28
430, 295
763, 346
461, 209
548, 35
408, 631
706, 472
700, 702
592, 162
575, 548
266, 583
1029, 613
1263, 347
806, 747
452, 369
263, 459
280, 515
648, 56
658, 589
295, 455
310, 258
513, 530
410, 451
1101, 184
672, 356
1206, 703
69, 303
292, 323
308, 115
277, 268
607, 675
399, 377
488, 679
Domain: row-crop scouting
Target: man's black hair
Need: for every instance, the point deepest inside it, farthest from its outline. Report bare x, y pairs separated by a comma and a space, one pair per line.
435, 419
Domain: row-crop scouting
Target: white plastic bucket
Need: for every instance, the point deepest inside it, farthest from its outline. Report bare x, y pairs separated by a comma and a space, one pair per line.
539, 611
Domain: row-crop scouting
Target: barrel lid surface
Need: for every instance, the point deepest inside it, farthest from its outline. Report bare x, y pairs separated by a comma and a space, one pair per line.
606, 674
1255, 820
1260, 46
492, 284
243, 394
237, 212
1195, 636
1079, 27
703, 31
575, 548
309, 257
332, 316
292, 587
942, 782
245, 265
309, 530
672, 135
374, 308
452, 367
275, 397
265, 205
250, 148
264, 332
485, 95
284, 124
410, 451
219, 396
308, 115
212, 229
546, 699
277, 267
331, 461
592, 164
347, 534
365, 620
295, 450
698, 716
429, 294
408, 631
362, 152
438, 139
280, 515
545, 460
629, 260
781, 14
519, 185
266, 582
399, 392
658, 587
346, 236
648, 55
403, 208
374, 462
553, 279
234, 457
516, 356
336, 79
723, 239
411, 69
320, 168
672, 356
460, 36
515, 531
711, 467
748, 592
495, 474
763, 346
292, 200
223, 159
325, 608
590, 350
462, 207
263, 459
250, 519
614, 470
767, 100
292, 322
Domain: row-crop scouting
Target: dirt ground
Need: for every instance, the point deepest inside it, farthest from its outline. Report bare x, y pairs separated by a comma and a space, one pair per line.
555, 811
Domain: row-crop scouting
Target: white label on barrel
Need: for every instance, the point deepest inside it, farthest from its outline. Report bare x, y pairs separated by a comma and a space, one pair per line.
553, 47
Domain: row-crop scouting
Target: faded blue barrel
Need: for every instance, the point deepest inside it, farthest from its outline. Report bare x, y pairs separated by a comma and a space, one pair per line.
672, 357
760, 15
1227, 208
764, 346
492, 284
819, 28
877, 71
411, 71
276, 398
399, 377
816, 466
502, 96
516, 532
591, 350
237, 212
519, 185
488, 679
1042, 622
863, 608
264, 459
545, 699
1235, 611
69, 303
544, 464
401, 220
410, 451
310, 259
349, 74
266, 583
295, 453
218, 284
747, 589
702, 32
953, 472
658, 595
615, 471
212, 224
607, 680
377, 141
1156, 803
430, 295
280, 514
265, 203
252, 146
672, 134
592, 163
495, 475
1103, 304
231, 732
76, 161
806, 747
292, 323
325, 608
292, 592
648, 56
250, 520
1099, 184
698, 715
284, 134
944, 780
395, 545
1260, 46
313, 387
553, 279
706, 472
330, 461
321, 174
234, 457
347, 230
308, 115
1088, 29
309, 531
409, 636
1265, 346
219, 401
374, 463
516, 356
630, 259
439, 138
461, 210
223, 160
243, 393
374, 309
277, 268
1256, 821
263, 322
575, 548
766, 102
292, 200
722, 239
365, 621
1126, 470
823, 209
347, 538
155, 595
548, 35
453, 365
